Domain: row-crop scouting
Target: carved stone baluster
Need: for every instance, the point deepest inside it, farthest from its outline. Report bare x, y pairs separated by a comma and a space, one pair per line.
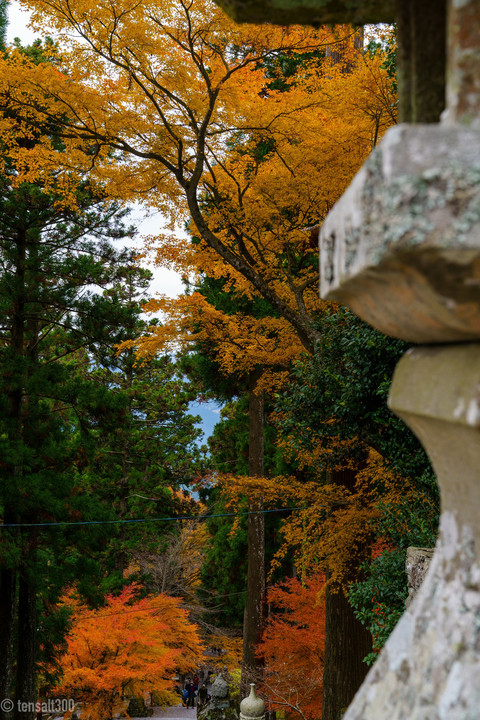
402, 249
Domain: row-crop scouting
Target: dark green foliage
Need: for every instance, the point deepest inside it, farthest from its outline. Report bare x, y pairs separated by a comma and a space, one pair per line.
225, 565
143, 465
282, 69
53, 320
229, 440
225, 568
346, 383
224, 572
379, 601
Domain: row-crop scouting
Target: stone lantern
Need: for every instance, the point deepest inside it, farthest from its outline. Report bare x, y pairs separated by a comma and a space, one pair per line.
252, 707
221, 706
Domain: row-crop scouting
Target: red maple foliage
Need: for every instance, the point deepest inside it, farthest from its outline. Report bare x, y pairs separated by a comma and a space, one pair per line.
293, 647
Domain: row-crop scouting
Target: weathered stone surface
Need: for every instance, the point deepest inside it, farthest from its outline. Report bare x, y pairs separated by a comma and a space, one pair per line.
436, 391
310, 12
219, 688
463, 74
430, 666
417, 563
220, 706
402, 245
252, 707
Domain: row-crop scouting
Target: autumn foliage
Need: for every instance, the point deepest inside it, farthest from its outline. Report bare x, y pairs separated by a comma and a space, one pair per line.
293, 647
329, 523
210, 127
248, 134
125, 648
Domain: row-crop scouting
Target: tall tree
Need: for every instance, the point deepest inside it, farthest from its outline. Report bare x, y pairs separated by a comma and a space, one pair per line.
49, 259
55, 261
146, 459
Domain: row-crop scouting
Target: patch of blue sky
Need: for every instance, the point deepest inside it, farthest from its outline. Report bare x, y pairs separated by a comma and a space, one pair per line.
209, 413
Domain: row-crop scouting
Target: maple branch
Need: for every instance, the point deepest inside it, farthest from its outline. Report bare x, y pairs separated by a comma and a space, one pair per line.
239, 237
309, 282
133, 73
240, 192
292, 172
306, 332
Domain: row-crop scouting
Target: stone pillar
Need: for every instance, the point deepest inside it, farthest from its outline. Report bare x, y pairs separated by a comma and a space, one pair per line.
421, 29
463, 77
402, 249
417, 563
252, 707
220, 706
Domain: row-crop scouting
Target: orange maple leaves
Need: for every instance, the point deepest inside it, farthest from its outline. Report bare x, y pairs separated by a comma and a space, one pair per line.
127, 647
330, 522
293, 647
170, 102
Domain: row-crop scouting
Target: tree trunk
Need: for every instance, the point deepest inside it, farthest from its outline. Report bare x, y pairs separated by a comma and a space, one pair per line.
27, 628
26, 345
347, 641
13, 473
255, 604
7, 620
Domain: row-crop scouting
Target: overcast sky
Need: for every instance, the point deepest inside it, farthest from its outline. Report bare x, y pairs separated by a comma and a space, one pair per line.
17, 23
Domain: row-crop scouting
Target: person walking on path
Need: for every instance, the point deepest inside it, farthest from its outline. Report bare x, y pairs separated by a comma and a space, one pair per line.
202, 696
189, 687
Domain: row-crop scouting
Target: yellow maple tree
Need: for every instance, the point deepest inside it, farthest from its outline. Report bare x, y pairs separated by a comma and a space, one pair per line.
261, 198
172, 99
327, 522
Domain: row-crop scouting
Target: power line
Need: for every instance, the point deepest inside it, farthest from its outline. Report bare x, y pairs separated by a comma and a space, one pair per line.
146, 520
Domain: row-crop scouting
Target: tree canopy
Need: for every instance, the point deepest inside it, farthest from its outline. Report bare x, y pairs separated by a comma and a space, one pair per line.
177, 94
